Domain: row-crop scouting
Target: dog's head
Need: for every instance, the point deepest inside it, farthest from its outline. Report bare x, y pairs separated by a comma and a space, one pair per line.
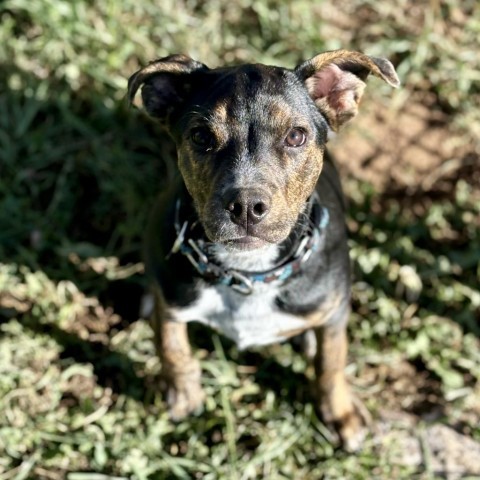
250, 139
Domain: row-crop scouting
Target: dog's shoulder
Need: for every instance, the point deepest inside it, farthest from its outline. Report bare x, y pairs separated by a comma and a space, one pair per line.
173, 273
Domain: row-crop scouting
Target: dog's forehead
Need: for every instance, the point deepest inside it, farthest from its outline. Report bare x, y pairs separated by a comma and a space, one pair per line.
252, 78
250, 88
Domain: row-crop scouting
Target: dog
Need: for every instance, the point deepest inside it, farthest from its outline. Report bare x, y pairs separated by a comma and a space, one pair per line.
251, 239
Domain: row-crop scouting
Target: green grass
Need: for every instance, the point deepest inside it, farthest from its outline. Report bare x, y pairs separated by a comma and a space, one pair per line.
78, 172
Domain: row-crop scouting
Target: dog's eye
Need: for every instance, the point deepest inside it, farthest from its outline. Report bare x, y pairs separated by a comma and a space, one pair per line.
296, 137
202, 137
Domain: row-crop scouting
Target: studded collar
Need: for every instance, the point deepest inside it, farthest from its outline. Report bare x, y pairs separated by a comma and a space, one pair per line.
196, 250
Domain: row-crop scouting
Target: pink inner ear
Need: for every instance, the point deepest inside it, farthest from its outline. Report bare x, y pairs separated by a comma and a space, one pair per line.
323, 81
341, 89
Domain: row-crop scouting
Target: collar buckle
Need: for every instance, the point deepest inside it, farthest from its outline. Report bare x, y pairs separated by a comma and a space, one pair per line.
244, 285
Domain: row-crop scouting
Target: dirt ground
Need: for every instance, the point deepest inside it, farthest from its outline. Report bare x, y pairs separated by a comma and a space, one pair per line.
439, 449
409, 149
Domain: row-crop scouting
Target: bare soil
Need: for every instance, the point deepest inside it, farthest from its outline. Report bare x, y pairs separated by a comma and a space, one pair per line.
442, 451
408, 149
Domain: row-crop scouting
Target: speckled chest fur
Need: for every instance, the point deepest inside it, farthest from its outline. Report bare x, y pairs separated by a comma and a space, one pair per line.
252, 320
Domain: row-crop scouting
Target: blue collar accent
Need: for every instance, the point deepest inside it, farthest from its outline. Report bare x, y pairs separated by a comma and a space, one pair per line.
242, 281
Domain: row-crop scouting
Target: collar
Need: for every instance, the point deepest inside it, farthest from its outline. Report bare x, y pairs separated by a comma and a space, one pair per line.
196, 251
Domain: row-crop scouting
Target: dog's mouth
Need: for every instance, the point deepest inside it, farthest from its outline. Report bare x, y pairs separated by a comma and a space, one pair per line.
234, 237
245, 243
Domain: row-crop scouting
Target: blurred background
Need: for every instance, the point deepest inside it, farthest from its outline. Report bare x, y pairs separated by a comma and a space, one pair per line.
79, 170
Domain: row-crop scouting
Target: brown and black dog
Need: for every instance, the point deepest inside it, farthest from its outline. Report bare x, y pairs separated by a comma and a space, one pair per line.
251, 239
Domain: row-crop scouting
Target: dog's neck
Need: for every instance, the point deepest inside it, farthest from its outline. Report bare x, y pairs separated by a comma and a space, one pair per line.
258, 260
264, 258
241, 270
248, 261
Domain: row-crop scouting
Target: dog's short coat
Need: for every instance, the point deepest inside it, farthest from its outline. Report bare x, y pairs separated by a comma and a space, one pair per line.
251, 239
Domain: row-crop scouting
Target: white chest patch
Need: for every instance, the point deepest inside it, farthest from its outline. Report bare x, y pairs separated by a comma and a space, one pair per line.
249, 321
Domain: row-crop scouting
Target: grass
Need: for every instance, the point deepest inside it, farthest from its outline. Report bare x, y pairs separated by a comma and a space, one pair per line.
78, 172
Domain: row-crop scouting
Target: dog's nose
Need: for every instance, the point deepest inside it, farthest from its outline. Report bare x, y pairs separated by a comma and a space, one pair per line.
247, 207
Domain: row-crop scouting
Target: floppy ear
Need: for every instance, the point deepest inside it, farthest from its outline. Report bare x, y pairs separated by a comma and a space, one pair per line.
165, 84
335, 81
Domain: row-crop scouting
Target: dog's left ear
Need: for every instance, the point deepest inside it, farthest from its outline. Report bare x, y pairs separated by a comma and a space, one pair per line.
165, 83
335, 82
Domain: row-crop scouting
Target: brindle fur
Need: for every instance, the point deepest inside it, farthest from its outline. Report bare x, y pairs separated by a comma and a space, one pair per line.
181, 371
245, 114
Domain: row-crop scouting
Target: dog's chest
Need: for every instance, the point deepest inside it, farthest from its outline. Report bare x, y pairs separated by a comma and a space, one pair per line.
248, 320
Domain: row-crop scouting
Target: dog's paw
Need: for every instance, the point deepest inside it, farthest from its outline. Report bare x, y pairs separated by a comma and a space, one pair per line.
183, 393
352, 430
184, 401
348, 424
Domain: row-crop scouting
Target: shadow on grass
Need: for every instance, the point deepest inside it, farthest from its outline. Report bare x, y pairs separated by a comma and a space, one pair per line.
112, 369
269, 372
78, 172
436, 232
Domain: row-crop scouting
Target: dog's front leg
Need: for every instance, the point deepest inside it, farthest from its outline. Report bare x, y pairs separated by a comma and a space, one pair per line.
180, 371
337, 405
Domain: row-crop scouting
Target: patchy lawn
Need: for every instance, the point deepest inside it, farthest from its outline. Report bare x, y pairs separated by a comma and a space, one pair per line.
79, 395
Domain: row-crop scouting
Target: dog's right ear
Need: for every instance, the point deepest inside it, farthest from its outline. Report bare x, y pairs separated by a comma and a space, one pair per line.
165, 84
335, 81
